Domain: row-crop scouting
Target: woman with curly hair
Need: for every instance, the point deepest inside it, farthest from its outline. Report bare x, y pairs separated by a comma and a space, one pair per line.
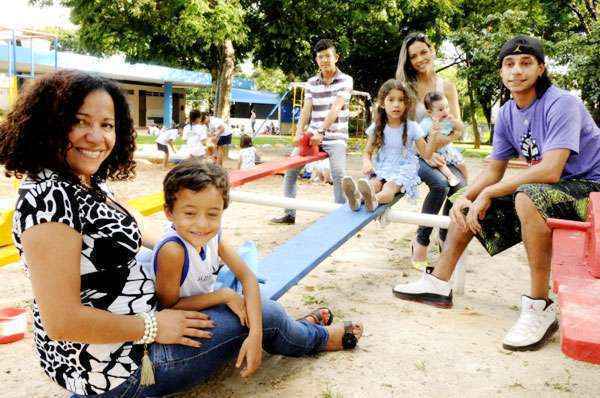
68, 133
97, 329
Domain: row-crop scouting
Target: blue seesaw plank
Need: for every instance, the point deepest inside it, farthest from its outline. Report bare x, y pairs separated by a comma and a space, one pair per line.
290, 262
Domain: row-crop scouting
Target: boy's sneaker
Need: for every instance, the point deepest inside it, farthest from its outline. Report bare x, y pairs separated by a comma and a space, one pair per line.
351, 193
427, 290
366, 190
536, 324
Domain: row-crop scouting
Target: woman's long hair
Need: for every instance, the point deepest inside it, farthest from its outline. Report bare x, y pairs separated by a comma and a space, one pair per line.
405, 71
381, 116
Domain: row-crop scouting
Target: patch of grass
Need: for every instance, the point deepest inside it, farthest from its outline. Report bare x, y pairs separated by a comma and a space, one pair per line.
565, 386
261, 140
420, 365
470, 151
517, 384
329, 393
309, 299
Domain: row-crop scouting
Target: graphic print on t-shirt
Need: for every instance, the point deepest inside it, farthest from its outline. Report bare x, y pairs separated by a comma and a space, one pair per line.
529, 148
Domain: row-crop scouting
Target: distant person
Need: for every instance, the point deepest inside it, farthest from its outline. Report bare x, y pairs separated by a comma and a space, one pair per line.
555, 133
247, 158
166, 138
220, 132
196, 135
326, 106
252, 119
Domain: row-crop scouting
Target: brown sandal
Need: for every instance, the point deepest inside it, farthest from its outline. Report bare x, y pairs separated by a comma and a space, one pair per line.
317, 315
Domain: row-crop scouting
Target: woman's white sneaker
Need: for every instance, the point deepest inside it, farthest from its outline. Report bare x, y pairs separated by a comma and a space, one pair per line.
351, 193
427, 290
536, 324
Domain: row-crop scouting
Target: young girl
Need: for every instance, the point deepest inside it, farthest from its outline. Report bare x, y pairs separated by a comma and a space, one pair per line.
196, 135
392, 139
247, 153
439, 118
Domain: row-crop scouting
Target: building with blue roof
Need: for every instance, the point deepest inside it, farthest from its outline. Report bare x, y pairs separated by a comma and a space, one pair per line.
152, 91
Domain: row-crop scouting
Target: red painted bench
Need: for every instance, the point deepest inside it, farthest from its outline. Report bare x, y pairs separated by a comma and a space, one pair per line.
576, 281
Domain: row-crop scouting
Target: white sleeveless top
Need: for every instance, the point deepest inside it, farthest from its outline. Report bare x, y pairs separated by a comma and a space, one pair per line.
420, 111
200, 269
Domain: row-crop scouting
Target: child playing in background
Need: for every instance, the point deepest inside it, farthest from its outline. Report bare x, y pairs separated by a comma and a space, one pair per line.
247, 158
440, 119
392, 139
185, 263
167, 137
196, 135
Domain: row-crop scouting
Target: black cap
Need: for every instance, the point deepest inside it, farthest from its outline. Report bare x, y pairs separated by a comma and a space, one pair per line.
522, 45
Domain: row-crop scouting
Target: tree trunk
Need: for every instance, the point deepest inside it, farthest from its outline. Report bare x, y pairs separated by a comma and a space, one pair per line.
487, 112
474, 127
214, 74
225, 80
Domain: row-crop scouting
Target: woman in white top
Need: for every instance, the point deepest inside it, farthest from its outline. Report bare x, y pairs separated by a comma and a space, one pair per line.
416, 69
196, 135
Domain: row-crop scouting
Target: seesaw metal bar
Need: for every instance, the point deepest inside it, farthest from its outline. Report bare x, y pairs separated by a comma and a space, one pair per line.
407, 217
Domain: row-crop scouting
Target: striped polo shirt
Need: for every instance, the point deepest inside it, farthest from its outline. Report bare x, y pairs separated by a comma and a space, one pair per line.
323, 96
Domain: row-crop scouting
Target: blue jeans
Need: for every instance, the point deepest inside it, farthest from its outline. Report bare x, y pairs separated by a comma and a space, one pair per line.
178, 368
337, 160
439, 190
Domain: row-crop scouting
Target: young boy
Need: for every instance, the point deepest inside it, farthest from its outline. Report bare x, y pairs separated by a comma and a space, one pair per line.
167, 137
186, 261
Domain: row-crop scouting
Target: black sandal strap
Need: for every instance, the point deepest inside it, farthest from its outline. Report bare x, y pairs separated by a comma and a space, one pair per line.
349, 339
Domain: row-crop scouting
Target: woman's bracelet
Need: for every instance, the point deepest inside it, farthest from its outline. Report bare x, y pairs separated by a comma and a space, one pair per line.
150, 327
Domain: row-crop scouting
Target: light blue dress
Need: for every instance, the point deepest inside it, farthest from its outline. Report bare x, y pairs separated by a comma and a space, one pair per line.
396, 162
450, 154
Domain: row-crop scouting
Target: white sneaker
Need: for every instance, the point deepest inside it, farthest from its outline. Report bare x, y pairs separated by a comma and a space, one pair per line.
351, 193
536, 324
366, 190
427, 290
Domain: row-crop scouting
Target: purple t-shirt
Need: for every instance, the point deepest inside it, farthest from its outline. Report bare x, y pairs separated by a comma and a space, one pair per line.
558, 120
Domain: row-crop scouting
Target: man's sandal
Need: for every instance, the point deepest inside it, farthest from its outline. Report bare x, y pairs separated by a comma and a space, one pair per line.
318, 316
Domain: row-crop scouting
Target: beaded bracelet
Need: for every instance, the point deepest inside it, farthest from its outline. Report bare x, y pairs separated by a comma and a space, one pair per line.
150, 328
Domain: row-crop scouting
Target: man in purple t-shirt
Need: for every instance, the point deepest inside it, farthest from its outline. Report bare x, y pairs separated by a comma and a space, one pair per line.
554, 132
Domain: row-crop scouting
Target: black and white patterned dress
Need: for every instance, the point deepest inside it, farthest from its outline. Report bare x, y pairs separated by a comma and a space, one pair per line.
111, 279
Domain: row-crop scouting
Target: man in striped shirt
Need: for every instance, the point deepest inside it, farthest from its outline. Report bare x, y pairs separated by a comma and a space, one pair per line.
326, 105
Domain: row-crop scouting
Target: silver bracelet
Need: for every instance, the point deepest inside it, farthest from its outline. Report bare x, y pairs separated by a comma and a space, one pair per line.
150, 327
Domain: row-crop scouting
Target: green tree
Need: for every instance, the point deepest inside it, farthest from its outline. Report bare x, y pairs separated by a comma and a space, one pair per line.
368, 33
191, 34
270, 79
578, 47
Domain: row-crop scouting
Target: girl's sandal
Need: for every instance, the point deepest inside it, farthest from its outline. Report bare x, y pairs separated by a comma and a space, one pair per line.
319, 316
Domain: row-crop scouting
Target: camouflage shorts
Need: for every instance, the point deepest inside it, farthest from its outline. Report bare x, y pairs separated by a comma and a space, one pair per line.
567, 199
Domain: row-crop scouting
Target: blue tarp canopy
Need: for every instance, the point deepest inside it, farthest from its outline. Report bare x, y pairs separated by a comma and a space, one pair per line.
254, 97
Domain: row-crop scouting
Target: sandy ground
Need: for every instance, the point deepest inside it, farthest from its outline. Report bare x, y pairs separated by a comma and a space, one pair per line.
408, 349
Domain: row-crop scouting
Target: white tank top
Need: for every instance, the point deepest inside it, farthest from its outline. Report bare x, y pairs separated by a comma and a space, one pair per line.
420, 111
200, 269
